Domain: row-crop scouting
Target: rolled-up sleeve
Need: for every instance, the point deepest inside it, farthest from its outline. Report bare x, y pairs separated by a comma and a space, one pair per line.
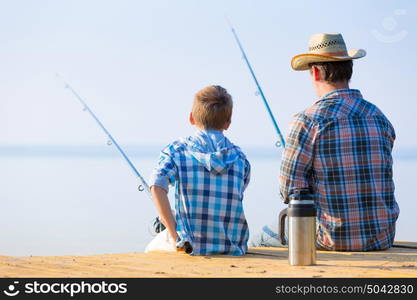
165, 173
297, 158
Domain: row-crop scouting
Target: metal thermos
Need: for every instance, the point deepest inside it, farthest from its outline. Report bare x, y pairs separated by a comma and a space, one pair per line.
301, 214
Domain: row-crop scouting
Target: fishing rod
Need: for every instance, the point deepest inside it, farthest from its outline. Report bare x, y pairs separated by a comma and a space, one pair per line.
281, 141
143, 185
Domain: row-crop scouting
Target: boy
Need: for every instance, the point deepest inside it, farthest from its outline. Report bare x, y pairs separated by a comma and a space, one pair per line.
210, 175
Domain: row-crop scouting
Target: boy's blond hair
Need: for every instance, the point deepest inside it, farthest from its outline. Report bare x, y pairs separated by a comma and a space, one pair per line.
212, 107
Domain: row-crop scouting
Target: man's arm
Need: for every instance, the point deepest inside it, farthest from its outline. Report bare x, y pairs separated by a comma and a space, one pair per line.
297, 159
160, 198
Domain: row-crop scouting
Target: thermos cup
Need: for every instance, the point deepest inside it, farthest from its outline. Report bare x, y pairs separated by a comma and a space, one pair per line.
301, 214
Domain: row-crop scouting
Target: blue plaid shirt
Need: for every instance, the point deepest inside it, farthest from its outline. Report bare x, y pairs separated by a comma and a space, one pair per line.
210, 175
341, 148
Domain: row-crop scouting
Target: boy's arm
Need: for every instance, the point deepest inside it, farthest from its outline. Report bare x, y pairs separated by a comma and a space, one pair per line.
160, 197
162, 176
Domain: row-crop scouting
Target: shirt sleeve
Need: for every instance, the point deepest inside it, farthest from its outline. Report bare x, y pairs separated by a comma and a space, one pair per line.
165, 173
246, 178
297, 158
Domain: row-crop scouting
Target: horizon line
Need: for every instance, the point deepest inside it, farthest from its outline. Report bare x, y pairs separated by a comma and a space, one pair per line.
100, 150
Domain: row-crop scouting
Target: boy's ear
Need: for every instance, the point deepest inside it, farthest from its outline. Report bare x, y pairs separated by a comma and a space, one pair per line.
191, 118
227, 125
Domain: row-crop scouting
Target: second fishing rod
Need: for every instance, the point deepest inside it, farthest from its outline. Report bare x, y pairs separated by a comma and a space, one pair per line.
281, 141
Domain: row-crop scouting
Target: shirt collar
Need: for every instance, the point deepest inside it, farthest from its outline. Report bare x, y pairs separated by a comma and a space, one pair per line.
342, 93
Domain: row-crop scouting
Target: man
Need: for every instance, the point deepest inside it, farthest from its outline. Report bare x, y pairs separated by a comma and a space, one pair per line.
340, 148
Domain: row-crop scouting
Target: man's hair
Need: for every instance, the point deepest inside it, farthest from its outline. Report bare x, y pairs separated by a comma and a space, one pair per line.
335, 71
212, 107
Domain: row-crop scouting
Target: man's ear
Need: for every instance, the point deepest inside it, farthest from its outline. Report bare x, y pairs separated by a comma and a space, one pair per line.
191, 119
316, 73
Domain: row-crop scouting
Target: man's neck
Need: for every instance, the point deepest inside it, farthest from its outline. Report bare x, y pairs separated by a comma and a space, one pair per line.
324, 88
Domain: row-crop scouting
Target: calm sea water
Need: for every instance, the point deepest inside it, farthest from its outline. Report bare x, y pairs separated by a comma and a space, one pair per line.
58, 205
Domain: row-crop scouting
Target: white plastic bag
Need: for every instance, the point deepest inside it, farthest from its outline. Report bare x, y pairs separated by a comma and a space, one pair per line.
161, 242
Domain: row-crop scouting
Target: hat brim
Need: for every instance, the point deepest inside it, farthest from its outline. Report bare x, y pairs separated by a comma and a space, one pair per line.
300, 62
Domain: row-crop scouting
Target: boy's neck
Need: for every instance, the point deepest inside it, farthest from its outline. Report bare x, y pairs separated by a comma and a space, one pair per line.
209, 130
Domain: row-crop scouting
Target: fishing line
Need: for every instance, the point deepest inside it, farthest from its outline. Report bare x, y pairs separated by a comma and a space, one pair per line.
281, 141
143, 186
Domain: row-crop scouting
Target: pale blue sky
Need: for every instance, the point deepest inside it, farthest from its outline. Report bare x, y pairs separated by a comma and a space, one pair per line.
138, 64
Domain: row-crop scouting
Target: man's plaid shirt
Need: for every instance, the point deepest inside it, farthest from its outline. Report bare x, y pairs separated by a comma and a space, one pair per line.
210, 175
341, 148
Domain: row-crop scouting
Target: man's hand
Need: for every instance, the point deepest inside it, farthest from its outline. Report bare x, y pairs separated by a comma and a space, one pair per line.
160, 197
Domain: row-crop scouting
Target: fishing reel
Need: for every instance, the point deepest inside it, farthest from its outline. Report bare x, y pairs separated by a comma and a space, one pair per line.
184, 246
158, 226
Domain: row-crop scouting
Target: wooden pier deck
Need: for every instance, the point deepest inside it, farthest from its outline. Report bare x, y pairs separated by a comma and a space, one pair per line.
259, 262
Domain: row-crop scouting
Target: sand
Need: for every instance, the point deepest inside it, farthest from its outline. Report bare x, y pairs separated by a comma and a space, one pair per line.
260, 262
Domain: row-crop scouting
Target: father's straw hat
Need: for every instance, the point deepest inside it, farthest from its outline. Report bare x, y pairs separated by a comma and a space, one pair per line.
325, 47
